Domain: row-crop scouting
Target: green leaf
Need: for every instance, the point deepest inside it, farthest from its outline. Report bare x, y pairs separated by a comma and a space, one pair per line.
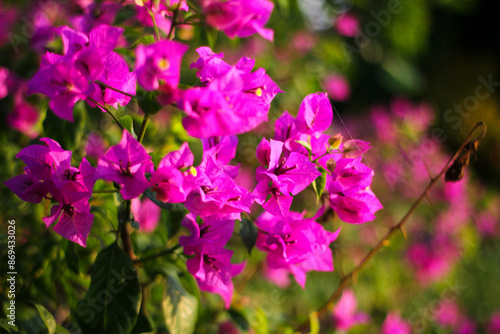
239, 319
156, 159
248, 234
67, 134
211, 36
143, 323
48, 319
146, 40
128, 124
179, 307
319, 183
148, 103
111, 305
72, 257
61, 330
306, 145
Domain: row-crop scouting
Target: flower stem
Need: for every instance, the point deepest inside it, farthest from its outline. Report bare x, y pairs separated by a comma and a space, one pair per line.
116, 89
157, 255
108, 111
174, 22
144, 125
398, 227
124, 234
108, 191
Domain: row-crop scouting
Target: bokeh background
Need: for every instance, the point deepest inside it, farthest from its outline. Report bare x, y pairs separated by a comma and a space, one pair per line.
411, 77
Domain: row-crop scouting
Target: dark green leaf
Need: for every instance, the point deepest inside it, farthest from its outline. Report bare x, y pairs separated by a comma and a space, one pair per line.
148, 103
179, 307
248, 234
239, 319
67, 134
72, 257
47, 318
111, 305
146, 40
143, 323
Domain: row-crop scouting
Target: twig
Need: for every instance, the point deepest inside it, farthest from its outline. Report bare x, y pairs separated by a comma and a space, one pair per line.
144, 125
398, 227
174, 22
154, 256
108, 111
116, 89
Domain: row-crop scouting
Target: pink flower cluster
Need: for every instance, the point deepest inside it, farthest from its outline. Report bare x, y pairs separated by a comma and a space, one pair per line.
228, 100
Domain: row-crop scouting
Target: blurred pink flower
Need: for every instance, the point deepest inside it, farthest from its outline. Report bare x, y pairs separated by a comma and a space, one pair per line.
278, 276
494, 324
448, 314
432, 259
393, 324
23, 118
337, 87
344, 313
146, 213
347, 25
95, 147
303, 41
4, 90
487, 224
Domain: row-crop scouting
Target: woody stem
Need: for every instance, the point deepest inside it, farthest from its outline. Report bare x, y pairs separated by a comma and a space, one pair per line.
398, 227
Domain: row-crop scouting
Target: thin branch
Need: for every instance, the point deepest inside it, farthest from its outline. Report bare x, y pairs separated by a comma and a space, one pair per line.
124, 234
398, 227
108, 191
144, 125
157, 255
116, 89
174, 22
108, 111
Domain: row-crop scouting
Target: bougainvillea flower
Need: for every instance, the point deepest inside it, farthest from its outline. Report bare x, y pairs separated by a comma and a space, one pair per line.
214, 230
337, 87
96, 14
356, 208
126, 164
432, 257
394, 324
222, 149
115, 74
296, 244
159, 61
168, 181
273, 196
4, 73
238, 17
216, 193
494, 323
347, 25
72, 214
84, 175
295, 170
27, 187
43, 160
232, 100
349, 177
63, 84
23, 117
146, 213
315, 114
344, 312
213, 270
